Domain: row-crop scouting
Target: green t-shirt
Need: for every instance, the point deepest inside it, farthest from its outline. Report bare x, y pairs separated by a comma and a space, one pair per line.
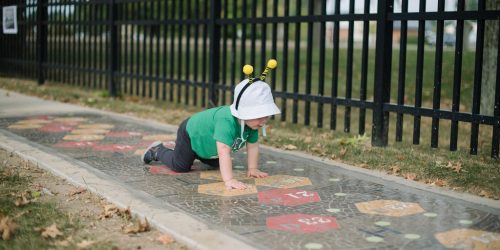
217, 124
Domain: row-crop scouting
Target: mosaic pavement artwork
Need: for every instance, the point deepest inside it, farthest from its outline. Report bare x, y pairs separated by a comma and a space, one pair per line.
301, 205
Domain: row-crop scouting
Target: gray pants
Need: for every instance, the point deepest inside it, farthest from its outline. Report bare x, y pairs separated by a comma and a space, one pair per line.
181, 159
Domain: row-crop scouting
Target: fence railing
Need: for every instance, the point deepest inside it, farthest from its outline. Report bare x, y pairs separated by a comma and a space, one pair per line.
383, 58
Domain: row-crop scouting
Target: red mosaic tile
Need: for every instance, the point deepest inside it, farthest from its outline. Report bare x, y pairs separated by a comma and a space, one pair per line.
288, 197
164, 170
114, 147
75, 144
302, 223
56, 128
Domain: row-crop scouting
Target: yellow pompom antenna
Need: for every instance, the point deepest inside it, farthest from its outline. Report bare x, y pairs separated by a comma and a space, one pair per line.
271, 64
248, 71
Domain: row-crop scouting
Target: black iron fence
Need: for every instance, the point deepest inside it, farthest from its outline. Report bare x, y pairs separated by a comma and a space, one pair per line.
382, 58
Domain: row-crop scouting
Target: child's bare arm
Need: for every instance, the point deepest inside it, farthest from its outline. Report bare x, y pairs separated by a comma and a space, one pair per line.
226, 167
253, 161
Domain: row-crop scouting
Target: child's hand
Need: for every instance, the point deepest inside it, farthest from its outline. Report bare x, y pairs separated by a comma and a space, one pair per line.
253, 172
235, 184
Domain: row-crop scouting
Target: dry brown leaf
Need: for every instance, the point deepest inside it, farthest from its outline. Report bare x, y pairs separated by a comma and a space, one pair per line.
108, 212
289, 147
7, 227
395, 170
318, 150
333, 157
439, 183
401, 157
364, 165
455, 167
485, 193
137, 227
165, 239
51, 231
21, 201
125, 213
84, 244
77, 191
410, 176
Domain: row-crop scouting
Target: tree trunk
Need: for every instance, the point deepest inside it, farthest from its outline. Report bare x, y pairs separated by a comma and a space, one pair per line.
489, 61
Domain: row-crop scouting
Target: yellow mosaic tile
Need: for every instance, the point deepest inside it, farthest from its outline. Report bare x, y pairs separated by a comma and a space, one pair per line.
83, 137
96, 126
34, 121
89, 131
283, 181
469, 239
220, 189
70, 119
389, 208
25, 126
215, 175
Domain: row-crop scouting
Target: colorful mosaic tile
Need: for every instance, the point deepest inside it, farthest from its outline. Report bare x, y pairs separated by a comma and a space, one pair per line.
283, 181
389, 208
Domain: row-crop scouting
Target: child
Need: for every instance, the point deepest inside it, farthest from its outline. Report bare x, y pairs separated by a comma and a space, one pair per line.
212, 135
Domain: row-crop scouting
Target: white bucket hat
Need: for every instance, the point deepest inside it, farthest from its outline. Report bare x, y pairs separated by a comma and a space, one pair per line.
255, 102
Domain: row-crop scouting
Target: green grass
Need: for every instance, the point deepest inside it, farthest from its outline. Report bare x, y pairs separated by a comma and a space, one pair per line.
479, 174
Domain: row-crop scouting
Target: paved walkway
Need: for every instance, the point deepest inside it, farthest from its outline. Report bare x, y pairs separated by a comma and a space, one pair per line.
306, 203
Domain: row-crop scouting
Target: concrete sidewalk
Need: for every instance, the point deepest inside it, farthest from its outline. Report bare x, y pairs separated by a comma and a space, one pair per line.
306, 203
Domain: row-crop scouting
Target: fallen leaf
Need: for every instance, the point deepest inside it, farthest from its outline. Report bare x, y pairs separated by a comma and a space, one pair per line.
7, 227
137, 227
401, 157
125, 213
289, 147
333, 157
485, 193
364, 165
395, 170
165, 239
455, 167
21, 201
318, 150
51, 231
439, 183
410, 176
109, 210
77, 191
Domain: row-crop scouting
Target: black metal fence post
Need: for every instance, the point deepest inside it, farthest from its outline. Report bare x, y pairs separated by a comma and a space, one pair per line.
41, 39
113, 46
214, 62
382, 88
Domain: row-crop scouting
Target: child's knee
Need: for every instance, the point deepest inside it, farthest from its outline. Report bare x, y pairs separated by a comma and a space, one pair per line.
181, 169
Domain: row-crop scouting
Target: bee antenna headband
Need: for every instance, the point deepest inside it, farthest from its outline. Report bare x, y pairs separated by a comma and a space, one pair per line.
248, 70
